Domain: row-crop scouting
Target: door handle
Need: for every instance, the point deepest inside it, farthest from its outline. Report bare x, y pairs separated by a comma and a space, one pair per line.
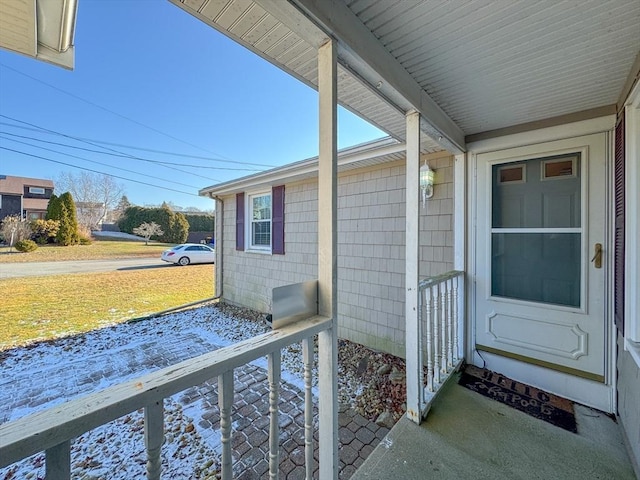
597, 256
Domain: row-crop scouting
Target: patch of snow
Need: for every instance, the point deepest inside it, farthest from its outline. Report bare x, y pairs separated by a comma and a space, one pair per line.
126, 236
50, 373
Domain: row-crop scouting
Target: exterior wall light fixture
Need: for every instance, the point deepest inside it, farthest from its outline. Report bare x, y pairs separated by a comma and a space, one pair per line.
426, 183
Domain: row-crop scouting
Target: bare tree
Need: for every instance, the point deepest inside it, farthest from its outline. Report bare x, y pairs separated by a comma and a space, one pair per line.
14, 229
148, 230
94, 194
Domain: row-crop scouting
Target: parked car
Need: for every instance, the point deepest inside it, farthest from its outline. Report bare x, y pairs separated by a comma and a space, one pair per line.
187, 253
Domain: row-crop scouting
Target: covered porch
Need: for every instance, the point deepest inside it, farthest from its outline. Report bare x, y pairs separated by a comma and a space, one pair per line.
471, 89
467, 435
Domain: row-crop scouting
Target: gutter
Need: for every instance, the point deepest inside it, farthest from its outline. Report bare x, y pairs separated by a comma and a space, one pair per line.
218, 234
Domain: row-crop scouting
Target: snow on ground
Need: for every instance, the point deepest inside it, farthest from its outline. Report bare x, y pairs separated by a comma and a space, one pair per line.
126, 236
116, 450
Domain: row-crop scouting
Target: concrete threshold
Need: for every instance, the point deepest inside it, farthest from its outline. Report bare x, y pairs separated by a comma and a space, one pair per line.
468, 436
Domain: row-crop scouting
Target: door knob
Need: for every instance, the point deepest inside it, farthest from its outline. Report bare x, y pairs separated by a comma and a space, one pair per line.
597, 256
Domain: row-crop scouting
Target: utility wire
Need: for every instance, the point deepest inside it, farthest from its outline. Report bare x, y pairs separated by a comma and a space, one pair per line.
66, 145
98, 163
106, 148
132, 147
96, 171
89, 102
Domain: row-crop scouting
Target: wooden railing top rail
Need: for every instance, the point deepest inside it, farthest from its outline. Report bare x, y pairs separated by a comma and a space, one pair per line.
42, 430
429, 281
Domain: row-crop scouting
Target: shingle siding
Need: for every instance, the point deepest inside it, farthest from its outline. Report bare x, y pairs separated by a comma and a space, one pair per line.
371, 250
628, 395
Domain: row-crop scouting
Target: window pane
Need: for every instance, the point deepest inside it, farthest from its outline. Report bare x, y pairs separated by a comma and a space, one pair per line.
261, 233
539, 267
535, 201
261, 207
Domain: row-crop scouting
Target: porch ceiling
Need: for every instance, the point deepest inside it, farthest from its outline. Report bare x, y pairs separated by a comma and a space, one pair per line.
473, 66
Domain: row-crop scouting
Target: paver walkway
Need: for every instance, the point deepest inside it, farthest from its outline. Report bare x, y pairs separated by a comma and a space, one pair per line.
24, 388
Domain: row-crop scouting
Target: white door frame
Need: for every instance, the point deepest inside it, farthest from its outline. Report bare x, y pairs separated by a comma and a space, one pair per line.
605, 398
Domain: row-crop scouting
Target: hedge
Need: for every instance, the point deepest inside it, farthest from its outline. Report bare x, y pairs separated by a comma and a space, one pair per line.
174, 225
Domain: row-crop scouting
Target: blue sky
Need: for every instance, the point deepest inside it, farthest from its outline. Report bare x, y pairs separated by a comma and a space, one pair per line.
149, 75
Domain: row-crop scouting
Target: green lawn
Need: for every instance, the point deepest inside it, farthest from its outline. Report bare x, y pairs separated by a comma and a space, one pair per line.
42, 308
98, 250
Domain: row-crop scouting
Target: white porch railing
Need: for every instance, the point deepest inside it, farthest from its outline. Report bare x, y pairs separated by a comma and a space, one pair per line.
441, 321
53, 429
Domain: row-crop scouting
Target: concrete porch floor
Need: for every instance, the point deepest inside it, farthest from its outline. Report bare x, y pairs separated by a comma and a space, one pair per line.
468, 436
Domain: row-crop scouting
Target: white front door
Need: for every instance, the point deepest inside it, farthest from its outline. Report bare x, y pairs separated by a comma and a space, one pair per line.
540, 266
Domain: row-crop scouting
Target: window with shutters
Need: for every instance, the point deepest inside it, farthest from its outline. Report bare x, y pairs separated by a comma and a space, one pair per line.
260, 221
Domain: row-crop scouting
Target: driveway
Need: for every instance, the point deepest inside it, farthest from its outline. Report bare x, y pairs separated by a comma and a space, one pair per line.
37, 269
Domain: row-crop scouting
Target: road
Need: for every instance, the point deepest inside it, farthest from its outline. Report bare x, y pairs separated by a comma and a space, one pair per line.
37, 269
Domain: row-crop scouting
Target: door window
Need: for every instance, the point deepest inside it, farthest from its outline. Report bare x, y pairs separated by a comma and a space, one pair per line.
536, 231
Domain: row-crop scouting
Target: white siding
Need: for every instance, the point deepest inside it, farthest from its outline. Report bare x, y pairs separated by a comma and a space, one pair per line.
371, 235
628, 404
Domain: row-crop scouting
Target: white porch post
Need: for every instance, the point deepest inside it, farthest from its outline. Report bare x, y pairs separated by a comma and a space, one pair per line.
328, 260
218, 238
415, 391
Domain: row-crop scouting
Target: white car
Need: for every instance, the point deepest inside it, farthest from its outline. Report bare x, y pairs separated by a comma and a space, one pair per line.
187, 253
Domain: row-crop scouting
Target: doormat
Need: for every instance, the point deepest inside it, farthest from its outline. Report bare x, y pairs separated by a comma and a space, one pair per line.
535, 402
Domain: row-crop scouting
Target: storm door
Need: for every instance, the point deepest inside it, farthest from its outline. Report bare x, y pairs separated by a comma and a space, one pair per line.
540, 255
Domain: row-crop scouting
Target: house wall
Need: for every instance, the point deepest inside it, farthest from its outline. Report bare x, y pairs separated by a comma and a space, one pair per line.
249, 277
371, 250
628, 400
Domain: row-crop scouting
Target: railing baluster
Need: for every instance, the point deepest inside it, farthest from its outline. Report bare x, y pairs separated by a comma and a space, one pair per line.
443, 321
58, 462
436, 334
225, 403
449, 284
154, 438
454, 305
274, 431
429, 327
307, 357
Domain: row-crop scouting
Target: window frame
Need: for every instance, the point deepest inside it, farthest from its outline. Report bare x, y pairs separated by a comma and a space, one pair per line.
250, 246
39, 190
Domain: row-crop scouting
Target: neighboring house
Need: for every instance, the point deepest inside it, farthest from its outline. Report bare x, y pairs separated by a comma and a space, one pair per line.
91, 214
27, 197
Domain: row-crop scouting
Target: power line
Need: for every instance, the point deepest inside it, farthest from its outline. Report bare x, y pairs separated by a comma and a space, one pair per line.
125, 155
96, 162
164, 152
106, 148
104, 108
96, 171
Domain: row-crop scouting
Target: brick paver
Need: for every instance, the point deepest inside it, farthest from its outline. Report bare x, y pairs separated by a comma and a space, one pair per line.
250, 441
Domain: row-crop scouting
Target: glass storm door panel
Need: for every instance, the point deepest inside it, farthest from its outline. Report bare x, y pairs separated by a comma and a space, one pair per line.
539, 300
536, 230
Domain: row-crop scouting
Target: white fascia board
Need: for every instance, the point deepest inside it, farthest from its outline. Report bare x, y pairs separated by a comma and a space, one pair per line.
360, 52
304, 168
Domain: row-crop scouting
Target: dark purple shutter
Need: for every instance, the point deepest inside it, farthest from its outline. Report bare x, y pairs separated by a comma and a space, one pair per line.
277, 220
240, 221
619, 227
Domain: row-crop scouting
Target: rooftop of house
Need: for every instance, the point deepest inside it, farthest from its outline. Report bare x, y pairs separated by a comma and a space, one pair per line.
366, 154
15, 185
